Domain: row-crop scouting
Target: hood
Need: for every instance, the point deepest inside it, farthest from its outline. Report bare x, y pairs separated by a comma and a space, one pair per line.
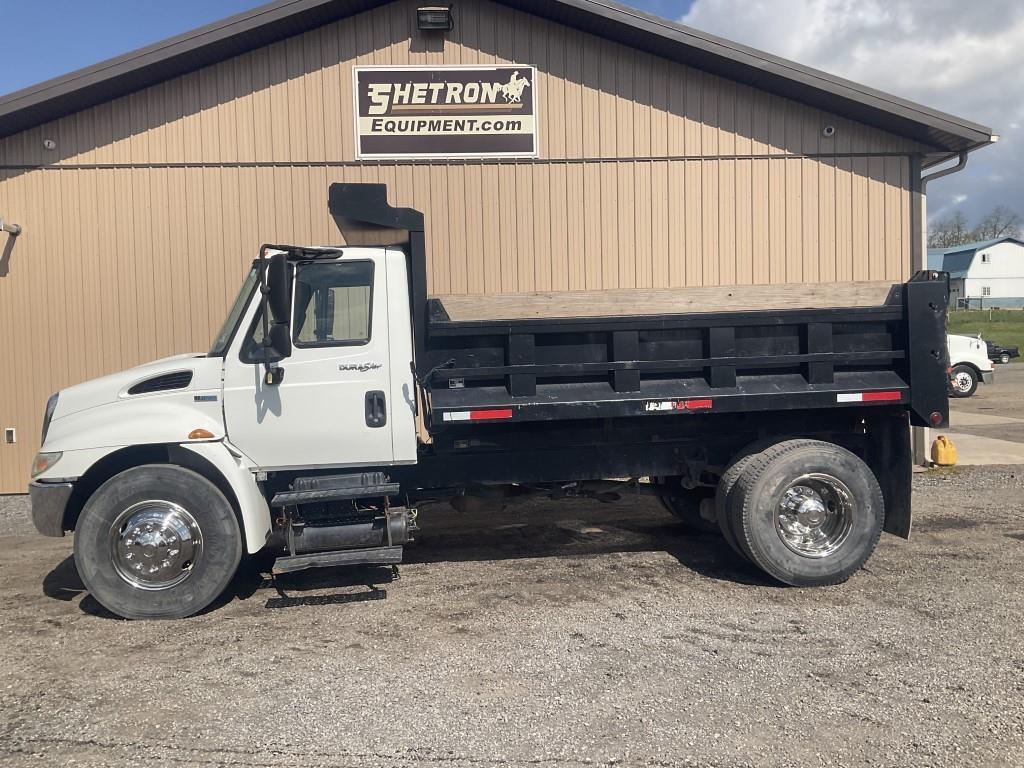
139, 382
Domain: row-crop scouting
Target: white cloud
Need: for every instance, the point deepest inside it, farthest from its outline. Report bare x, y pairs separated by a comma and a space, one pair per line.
963, 58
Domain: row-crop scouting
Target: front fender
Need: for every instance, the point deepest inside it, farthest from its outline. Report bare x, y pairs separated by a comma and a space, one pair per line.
252, 505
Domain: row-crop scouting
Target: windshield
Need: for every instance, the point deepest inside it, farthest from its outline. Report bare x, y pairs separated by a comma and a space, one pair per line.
220, 343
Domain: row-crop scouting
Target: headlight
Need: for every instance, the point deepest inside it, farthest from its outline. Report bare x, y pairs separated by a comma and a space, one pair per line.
51, 406
44, 461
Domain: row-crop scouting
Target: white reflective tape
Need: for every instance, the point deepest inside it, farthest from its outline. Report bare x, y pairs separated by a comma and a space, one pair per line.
855, 397
456, 416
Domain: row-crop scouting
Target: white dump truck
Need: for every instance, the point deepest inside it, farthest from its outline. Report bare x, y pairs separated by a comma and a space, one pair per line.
338, 397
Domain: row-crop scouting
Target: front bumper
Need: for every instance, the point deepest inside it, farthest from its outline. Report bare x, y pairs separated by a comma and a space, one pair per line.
987, 377
49, 500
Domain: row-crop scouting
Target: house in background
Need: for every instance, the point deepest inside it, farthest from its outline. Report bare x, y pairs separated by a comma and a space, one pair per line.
983, 275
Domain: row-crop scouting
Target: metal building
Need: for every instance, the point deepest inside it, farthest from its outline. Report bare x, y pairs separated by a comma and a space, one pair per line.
577, 145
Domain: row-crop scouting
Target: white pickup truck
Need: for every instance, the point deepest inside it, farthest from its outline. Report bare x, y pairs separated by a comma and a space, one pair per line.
969, 364
338, 397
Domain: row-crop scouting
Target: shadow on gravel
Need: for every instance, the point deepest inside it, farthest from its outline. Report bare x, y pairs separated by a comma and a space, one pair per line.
369, 576
63, 583
944, 523
562, 533
566, 533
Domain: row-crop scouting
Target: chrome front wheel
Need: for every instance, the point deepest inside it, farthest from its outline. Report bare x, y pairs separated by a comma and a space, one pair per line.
155, 544
157, 541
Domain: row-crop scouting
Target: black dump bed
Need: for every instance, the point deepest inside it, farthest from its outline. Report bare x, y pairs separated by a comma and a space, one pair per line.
662, 353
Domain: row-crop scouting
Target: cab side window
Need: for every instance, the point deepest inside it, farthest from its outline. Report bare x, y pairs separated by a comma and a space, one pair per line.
333, 303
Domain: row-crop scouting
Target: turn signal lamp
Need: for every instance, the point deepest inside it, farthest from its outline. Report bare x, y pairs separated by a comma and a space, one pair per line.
200, 434
43, 461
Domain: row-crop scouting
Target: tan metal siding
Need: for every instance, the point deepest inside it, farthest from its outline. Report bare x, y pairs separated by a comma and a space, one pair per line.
652, 174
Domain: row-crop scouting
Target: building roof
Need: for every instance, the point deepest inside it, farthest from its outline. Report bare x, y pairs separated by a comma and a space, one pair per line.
269, 23
958, 258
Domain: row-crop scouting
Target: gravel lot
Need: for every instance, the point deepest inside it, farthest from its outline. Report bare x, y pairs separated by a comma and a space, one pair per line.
566, 633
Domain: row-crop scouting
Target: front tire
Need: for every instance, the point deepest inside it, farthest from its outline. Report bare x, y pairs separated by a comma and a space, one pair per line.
1004, 358
157, 542
810, 513
964, 381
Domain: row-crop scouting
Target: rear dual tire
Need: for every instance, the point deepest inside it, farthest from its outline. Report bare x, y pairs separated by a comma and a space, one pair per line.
806, 512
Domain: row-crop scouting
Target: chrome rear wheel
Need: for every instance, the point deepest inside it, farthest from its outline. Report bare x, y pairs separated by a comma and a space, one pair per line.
815, 515
807, 512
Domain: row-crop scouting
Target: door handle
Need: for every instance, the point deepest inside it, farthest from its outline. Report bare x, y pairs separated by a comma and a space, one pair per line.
376, 409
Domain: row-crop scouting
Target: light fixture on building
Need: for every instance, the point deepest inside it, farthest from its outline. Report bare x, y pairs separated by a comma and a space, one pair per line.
12, 229
828, 131
435, 18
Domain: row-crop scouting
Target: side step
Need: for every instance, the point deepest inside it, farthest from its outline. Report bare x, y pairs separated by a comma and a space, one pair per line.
306, 490
373, 556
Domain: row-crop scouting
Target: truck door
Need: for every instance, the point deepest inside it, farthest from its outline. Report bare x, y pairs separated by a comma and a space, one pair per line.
334, 405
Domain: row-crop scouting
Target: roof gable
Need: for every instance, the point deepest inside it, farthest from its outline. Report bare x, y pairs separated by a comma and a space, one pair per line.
957, 259
285, 18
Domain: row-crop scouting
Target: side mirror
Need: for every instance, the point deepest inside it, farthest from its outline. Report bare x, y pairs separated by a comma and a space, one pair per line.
278, 294
281, 340
275, 286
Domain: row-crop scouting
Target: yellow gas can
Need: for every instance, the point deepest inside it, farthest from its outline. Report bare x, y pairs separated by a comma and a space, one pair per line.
943, 451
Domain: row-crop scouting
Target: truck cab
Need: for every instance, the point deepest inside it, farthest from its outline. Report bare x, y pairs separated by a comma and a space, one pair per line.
344, 395
338, 397
970, 364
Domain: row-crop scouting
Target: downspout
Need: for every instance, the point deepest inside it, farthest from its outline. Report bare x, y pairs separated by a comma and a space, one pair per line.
920, 437
12, 229
961, 164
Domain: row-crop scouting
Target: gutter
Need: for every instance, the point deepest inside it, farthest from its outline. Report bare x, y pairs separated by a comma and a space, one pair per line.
960, 165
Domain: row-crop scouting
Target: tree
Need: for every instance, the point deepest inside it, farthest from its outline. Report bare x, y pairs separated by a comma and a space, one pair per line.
999, 222
952, 230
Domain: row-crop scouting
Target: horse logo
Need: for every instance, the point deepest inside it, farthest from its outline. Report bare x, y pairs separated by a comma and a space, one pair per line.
513, 89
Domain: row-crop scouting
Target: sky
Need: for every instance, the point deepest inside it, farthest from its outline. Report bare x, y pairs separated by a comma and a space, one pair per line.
962, 59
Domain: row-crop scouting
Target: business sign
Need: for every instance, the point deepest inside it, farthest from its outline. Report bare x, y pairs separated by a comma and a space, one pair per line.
445, 111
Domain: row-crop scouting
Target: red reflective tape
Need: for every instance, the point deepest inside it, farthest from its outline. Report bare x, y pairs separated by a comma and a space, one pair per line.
697, 405
876, 397
493, 413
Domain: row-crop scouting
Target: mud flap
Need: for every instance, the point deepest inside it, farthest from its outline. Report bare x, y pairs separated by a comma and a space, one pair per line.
889, 454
